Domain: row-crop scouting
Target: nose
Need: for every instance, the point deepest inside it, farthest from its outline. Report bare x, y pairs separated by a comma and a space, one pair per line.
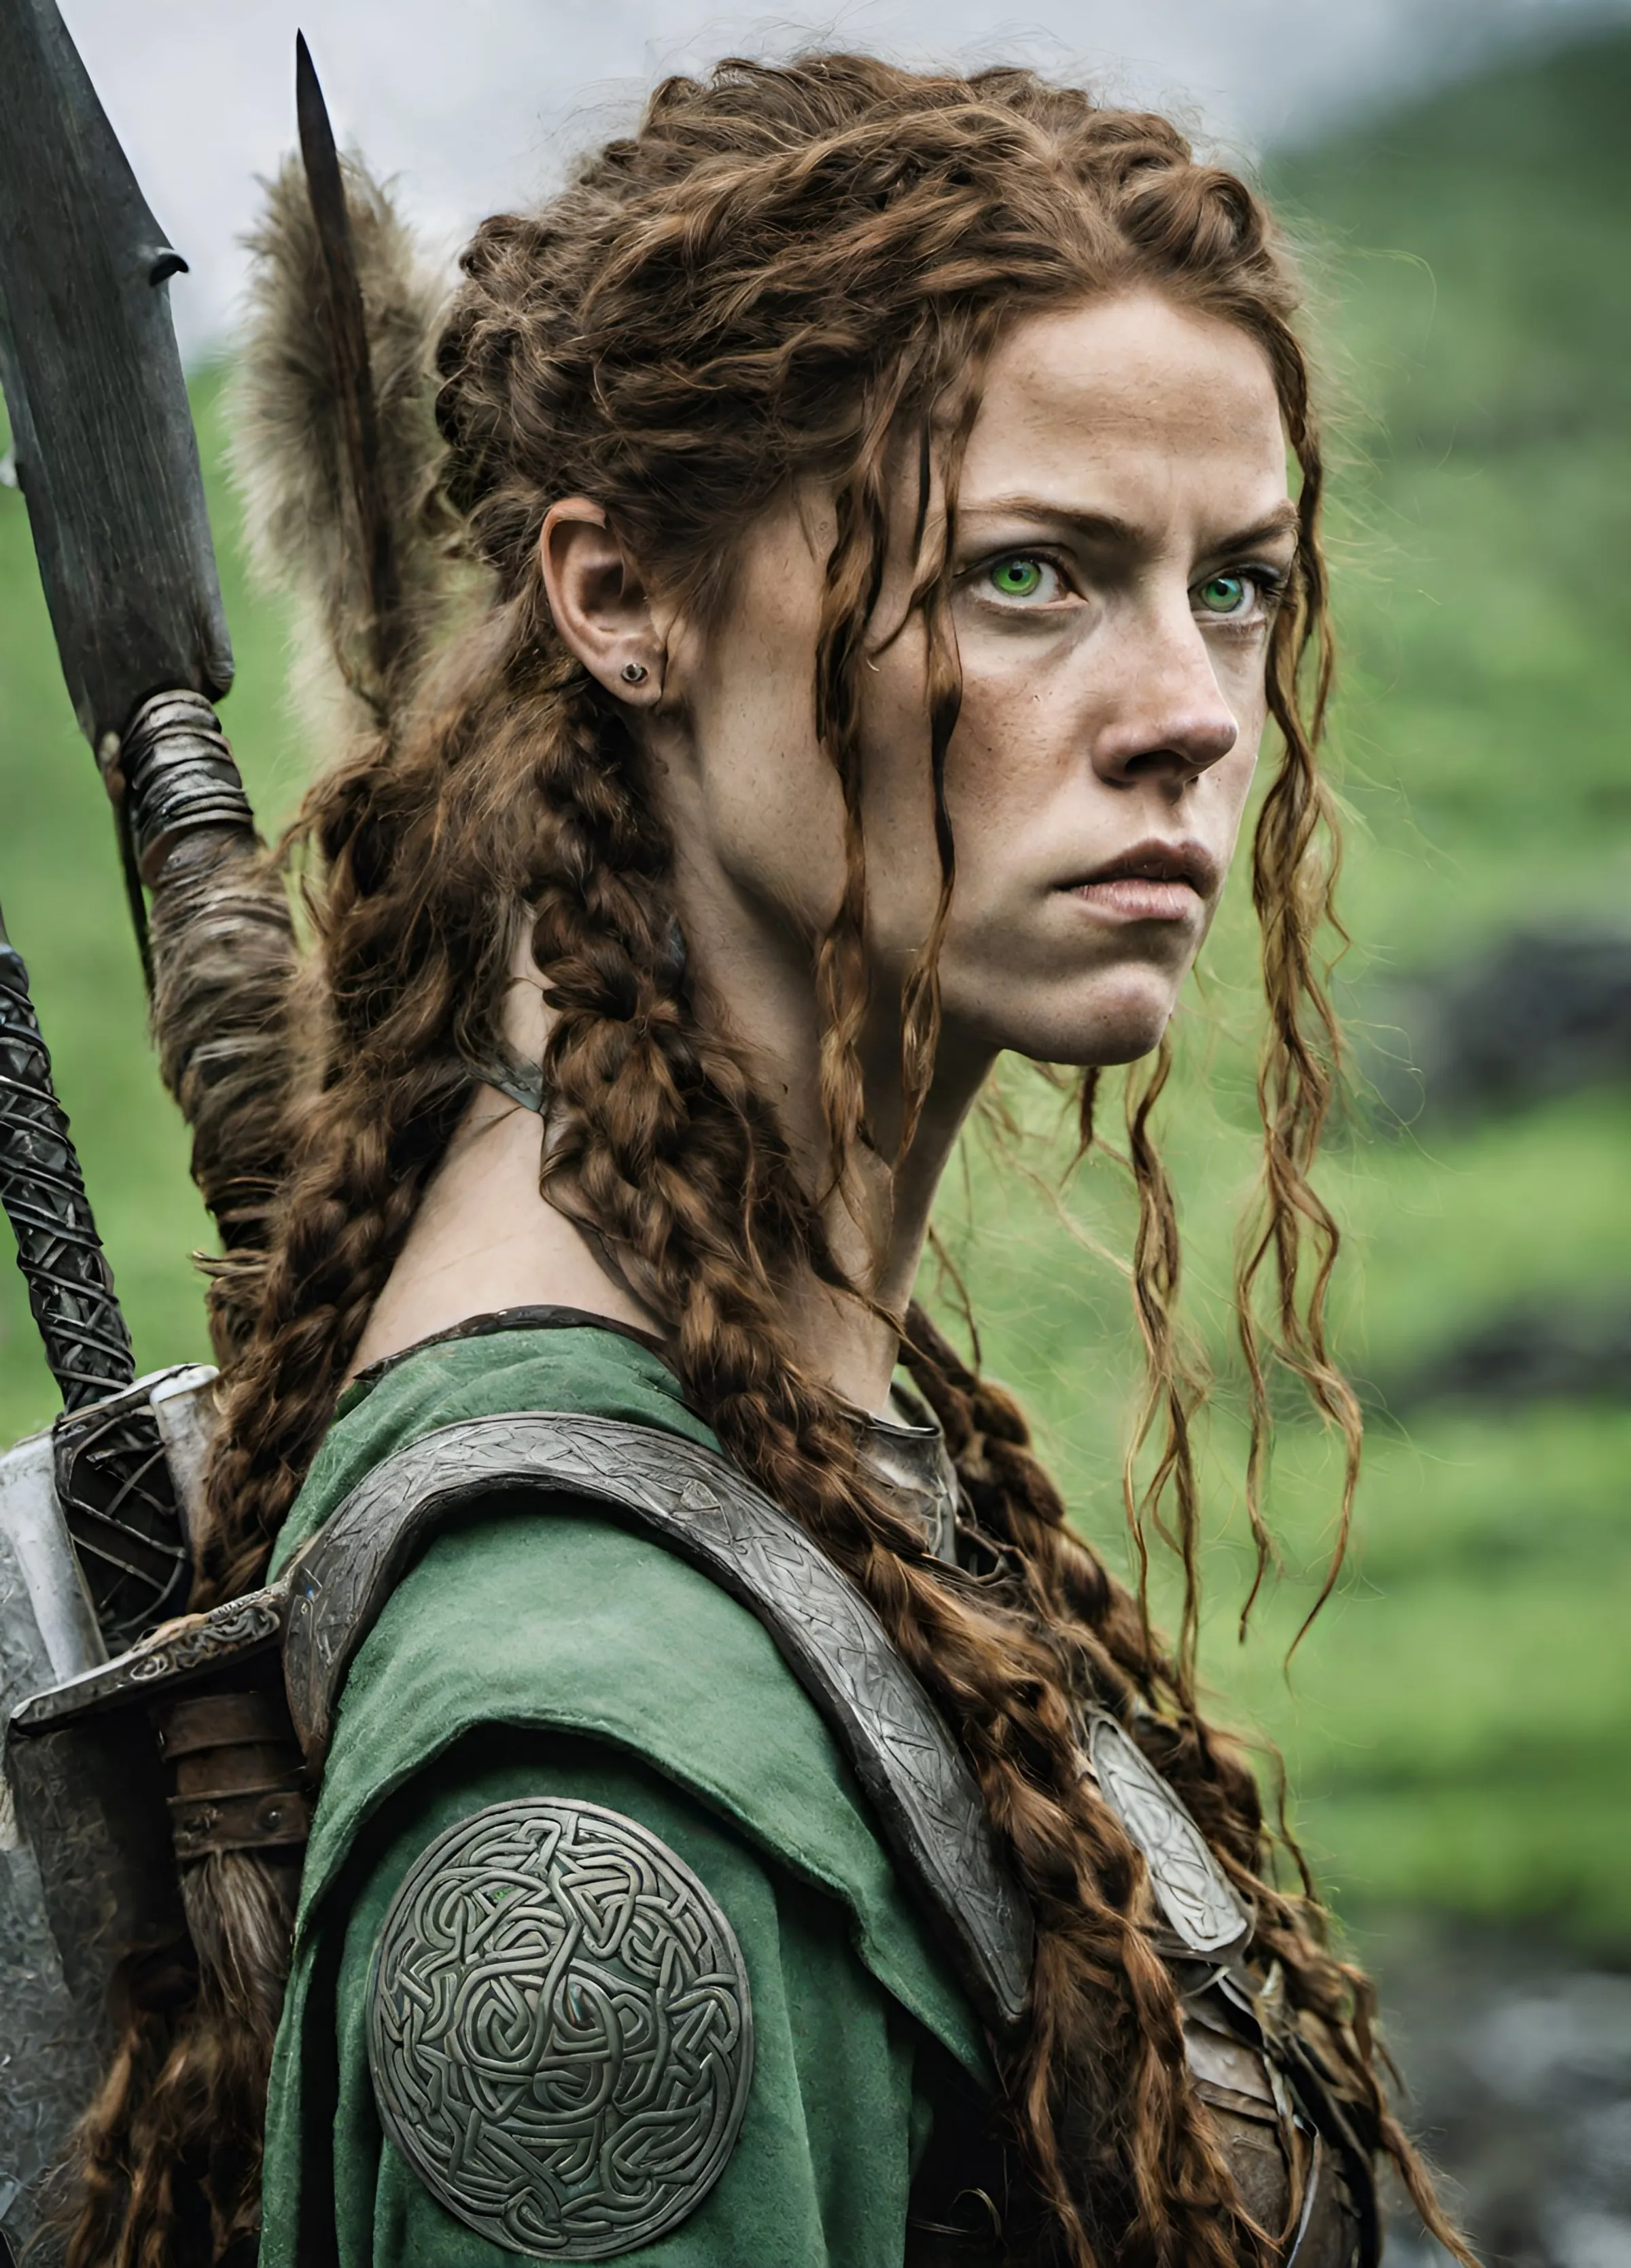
1166, 718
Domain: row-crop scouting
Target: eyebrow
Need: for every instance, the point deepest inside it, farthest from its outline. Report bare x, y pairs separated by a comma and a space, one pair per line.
1283, 520
1108, 527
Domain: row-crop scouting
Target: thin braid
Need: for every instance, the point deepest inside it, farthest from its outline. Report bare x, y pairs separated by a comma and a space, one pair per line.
854, 580
352, 1205
931, 596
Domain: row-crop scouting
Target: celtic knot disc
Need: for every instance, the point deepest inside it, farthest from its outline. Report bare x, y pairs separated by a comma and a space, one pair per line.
1190, 1885
560, 2030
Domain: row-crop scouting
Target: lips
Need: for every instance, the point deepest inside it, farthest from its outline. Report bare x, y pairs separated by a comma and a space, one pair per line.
1153, 881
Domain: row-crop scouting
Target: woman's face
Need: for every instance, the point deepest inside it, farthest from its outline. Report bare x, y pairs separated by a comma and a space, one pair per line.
1123, 529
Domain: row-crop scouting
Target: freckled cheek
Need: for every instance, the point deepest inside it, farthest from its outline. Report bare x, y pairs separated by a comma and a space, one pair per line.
1014, 748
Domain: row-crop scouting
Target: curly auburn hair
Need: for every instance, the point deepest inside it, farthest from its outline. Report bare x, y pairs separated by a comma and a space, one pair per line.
785, 274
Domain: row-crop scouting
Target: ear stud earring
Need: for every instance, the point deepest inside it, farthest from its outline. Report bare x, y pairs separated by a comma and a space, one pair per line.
633, 673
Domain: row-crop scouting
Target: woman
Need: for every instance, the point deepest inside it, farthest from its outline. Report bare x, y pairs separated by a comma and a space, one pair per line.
885, 571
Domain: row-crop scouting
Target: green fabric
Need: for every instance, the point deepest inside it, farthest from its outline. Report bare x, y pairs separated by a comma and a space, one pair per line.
599, 1372
820, 2169
551, 1651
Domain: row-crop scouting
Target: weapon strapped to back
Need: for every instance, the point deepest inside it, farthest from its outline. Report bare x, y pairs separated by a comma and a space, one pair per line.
100, 1516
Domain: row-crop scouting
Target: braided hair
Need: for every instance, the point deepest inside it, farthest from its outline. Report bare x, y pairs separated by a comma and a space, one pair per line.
781, 275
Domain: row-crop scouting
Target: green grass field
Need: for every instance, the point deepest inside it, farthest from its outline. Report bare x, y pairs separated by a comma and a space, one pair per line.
1456, 1725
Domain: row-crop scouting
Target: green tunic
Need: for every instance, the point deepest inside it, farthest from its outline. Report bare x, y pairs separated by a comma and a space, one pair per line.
552, 1653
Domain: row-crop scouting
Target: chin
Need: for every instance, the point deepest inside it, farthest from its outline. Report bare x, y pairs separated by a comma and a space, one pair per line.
1102, 1050
1116, 1022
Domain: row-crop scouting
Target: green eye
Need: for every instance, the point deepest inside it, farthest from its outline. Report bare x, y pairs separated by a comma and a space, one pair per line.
1226, 595
1017, 579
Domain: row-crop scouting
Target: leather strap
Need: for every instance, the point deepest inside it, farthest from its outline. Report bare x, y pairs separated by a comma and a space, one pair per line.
241, 1781
254, 1819
220, 1720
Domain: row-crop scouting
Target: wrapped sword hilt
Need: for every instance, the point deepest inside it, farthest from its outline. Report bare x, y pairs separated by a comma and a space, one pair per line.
112, 1478
58, 1250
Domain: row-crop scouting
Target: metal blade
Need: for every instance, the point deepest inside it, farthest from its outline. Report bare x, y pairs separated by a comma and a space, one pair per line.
106, 453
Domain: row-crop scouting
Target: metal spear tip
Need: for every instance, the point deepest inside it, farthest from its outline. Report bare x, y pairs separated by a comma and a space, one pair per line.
96, 401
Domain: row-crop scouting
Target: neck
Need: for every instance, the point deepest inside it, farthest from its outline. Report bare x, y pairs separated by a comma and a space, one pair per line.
756, 987
484, 1239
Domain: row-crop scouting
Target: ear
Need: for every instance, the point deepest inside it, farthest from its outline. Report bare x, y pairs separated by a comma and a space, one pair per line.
599, 601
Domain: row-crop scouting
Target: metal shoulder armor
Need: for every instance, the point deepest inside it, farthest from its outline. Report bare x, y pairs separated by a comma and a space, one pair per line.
560, 2030
1303, 2171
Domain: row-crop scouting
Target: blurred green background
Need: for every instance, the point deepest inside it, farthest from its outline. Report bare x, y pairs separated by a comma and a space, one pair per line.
1458, 1725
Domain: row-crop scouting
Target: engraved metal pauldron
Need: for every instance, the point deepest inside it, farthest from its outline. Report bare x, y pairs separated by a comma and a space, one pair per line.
560, 2029
1189, 1885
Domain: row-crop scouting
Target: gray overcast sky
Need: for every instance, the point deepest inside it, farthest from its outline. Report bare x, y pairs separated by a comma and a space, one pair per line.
472, 104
